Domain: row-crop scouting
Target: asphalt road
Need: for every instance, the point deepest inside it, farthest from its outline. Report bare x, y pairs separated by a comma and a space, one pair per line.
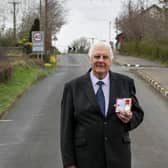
29, 132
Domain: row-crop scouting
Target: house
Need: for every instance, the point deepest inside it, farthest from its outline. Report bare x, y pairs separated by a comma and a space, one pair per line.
119, 40
153, 11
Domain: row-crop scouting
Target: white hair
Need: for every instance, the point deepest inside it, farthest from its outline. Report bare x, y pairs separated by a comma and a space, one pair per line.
101, 44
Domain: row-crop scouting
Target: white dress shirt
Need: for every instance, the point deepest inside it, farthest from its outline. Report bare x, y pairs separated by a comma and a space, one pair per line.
105, 87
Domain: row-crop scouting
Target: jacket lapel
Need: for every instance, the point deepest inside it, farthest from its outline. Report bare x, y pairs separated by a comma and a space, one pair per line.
113, 93
86, 84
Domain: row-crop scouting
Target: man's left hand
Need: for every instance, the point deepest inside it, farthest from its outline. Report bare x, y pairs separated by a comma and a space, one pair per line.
125, 116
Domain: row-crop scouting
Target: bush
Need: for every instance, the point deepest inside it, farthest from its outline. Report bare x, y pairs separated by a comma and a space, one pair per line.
53, 60
151, 49
5, 74
48, 65
7, 41
163, 54
5, 69
27, 47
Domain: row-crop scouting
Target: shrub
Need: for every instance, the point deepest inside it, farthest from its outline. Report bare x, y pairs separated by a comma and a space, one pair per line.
53, 60
5, 68
48, 65
128, 48
7, 41
163, 54
148, 48
27, 47
5, 74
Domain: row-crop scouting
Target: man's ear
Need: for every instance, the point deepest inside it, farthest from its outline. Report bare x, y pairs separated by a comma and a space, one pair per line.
111, 61
89, 58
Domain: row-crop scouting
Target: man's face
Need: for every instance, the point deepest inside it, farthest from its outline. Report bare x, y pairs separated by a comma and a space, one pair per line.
100, 61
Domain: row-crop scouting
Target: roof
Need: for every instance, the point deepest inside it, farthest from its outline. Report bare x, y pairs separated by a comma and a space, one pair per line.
154, 6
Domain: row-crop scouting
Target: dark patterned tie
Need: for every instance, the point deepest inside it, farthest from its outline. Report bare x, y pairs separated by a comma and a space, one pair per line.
100, 97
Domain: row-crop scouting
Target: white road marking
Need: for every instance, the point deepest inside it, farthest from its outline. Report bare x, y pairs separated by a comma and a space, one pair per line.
6, 120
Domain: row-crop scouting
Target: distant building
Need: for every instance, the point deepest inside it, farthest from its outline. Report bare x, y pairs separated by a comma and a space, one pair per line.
153, 11
119, 40
111, 44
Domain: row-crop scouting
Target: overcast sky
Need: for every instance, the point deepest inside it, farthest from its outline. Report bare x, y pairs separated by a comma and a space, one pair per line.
90, 19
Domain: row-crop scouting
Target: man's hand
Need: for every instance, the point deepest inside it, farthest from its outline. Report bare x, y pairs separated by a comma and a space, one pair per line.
125, 116
72, 166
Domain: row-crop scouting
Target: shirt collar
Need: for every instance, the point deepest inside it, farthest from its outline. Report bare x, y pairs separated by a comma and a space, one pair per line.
95, 79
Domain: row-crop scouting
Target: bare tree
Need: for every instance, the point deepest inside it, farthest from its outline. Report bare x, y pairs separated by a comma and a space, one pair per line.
56, 18
129, 20
137, 21
165, 11
26, 24
80, 45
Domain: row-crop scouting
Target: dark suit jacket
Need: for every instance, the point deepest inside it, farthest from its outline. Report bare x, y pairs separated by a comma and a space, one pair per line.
88, 139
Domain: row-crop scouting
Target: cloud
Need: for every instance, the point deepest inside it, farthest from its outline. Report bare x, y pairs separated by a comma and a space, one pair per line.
89, 18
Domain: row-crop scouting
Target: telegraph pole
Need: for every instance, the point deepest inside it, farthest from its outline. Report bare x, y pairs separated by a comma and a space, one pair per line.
109, 31
116, 24
46, 27
92, 40
40, 14
14, 3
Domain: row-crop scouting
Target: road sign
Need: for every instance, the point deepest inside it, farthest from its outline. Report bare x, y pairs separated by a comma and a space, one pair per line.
38, 41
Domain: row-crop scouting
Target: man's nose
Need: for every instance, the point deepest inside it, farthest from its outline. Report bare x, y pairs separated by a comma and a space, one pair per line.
101, 58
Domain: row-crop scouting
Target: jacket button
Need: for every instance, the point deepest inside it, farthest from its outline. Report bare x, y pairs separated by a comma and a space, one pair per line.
105, 138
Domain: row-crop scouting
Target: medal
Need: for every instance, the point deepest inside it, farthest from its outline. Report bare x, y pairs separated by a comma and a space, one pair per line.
123, 104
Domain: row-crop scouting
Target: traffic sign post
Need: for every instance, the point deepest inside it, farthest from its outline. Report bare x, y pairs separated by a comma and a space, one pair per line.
38, 41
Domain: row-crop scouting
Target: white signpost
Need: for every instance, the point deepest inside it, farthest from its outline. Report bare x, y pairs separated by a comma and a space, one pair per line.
38, 42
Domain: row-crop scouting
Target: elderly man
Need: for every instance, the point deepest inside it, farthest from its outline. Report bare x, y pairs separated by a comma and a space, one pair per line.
93, 133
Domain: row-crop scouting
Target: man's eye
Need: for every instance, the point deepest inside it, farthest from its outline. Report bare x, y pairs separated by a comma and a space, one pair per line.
105, 57
97, 56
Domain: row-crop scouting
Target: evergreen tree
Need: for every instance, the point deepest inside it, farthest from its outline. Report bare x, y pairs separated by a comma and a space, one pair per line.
35, 27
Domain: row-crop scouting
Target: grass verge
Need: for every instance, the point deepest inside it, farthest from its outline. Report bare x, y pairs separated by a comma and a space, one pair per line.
22, 78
